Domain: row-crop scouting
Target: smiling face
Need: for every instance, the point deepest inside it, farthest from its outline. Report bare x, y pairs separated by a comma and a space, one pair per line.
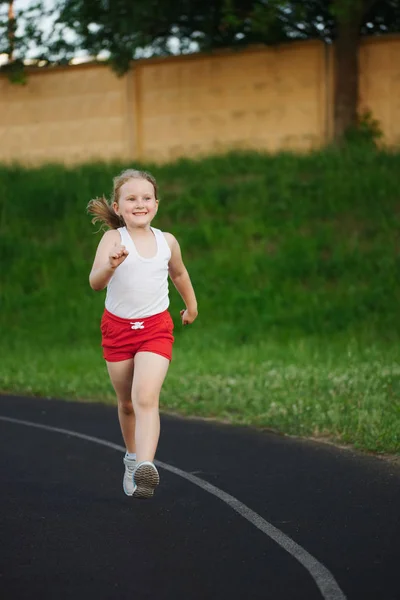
137, 203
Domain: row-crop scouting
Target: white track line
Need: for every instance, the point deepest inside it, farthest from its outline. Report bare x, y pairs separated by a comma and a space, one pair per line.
322, 577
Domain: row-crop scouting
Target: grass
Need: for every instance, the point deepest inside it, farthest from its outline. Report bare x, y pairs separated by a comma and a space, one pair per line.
295, 263
340, 392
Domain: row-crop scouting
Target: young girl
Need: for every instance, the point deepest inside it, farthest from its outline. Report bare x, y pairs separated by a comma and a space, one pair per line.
133, 261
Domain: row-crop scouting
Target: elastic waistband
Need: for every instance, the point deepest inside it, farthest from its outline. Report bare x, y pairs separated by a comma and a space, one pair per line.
144, 319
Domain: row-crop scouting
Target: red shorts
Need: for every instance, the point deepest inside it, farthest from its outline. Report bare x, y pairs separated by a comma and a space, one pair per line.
123, 338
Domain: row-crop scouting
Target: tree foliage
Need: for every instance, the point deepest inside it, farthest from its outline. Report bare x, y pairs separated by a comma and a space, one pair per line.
123, 29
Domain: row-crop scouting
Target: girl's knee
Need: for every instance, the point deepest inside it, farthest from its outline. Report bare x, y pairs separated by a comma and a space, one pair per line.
125, 406
145, 401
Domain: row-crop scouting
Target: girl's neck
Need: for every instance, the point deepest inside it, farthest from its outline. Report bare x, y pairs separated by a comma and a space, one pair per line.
139, 231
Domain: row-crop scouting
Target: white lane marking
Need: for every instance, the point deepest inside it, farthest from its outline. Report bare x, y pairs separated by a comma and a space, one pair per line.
324, 579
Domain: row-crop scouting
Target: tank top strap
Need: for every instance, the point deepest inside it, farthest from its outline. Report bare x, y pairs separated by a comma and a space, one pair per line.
162, 242
125, 237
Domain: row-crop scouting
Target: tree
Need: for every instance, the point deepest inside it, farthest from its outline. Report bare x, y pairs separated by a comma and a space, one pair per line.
15, 41
31, 35
124, 30
352, 19
342, 22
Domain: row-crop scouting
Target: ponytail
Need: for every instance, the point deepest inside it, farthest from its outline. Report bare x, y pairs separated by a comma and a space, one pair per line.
104, 213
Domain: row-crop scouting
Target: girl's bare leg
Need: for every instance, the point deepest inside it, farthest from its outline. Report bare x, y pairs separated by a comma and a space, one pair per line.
149, 374
121, 375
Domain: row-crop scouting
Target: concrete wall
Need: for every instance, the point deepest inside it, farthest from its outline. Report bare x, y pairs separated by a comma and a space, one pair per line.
70, 115
267, 98
380, 84
263, 98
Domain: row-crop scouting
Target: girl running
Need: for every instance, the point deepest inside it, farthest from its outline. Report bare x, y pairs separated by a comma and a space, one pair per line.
133, 260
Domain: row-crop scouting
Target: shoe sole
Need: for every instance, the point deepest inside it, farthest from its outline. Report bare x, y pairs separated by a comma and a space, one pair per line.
146, 479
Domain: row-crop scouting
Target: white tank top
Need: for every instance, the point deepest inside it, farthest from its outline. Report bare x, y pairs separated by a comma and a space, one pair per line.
139, 286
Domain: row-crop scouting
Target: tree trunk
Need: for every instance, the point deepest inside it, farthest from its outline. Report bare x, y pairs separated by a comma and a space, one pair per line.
11, 30
349, 16
346, 78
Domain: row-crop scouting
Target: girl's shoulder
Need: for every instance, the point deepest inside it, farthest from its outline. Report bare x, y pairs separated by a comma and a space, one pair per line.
170, 239
110, 237
112, 234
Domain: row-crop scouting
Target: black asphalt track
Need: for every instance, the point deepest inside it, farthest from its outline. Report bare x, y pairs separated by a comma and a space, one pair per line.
67, 530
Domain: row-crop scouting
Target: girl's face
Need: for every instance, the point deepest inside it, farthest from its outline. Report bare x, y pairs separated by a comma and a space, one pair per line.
137, 203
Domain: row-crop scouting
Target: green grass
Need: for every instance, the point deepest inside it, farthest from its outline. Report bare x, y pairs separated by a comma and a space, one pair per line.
295, 262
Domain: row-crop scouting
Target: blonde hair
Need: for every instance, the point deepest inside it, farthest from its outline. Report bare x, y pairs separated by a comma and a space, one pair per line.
102, 210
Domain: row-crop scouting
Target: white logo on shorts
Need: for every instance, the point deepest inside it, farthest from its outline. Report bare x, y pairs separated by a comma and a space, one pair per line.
137, 325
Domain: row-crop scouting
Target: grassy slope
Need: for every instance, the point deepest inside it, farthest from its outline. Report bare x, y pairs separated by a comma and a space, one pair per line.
295, 264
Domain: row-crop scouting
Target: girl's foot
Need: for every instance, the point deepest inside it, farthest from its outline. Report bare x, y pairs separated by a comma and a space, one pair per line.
145, 480
128, 484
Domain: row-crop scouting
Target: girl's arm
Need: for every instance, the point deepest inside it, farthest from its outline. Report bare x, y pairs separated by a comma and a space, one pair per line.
109, 255
181, 280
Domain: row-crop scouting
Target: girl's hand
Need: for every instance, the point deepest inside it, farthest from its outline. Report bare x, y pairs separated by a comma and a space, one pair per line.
117, 255
188, 316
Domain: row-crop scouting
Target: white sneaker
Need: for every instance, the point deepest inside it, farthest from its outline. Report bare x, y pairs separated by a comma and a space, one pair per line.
128, 483
145, 480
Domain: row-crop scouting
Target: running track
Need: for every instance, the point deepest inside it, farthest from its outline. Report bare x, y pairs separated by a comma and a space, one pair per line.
239, 514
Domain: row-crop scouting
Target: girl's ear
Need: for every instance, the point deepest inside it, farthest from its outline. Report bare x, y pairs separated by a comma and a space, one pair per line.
115, 207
